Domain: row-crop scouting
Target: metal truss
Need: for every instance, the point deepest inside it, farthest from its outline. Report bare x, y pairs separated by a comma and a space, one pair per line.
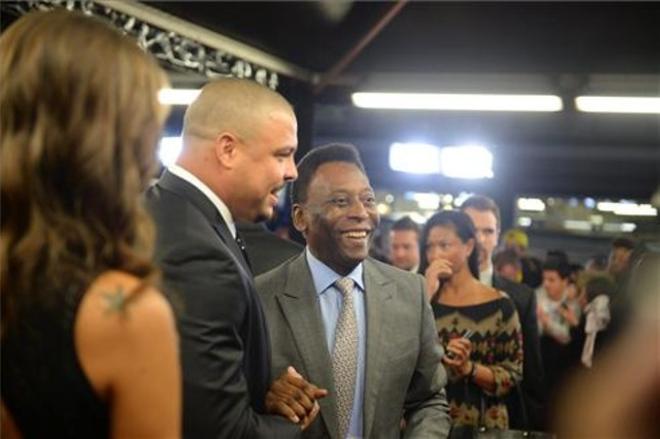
180, 45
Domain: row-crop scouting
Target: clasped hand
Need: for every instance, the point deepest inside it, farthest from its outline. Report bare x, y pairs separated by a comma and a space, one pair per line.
293, 397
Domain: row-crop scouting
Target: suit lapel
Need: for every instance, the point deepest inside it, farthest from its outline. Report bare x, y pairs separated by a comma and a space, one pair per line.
302, 312
378, 291
185, 189
222, 230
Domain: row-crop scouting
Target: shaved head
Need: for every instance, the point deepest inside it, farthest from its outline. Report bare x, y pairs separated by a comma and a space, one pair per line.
239, 139
231, 105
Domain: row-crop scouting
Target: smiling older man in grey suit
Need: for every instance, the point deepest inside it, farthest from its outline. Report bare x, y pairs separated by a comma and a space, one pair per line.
359, 328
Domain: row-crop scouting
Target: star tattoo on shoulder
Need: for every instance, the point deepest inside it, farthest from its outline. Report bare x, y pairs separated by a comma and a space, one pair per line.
116, 301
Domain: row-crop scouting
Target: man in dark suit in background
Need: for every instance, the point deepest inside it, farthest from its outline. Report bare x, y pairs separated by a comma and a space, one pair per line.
265, 249
486, 218
239, 139
361, 328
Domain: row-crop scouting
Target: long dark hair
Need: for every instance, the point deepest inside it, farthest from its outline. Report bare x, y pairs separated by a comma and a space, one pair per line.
462, 224
80, 122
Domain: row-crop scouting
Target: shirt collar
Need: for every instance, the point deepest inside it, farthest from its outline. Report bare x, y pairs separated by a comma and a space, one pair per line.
324, 276
222, 208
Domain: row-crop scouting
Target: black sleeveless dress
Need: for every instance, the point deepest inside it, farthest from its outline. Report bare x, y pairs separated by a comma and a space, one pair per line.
43, 385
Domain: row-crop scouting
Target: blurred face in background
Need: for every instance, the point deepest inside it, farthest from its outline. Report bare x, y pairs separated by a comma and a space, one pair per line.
618, 262
404, 249
487, 233
554, 284
511, 272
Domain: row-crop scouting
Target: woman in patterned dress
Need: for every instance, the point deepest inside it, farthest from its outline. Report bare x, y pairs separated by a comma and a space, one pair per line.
477, 325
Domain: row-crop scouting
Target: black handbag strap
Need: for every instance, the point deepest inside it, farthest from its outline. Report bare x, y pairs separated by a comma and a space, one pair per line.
523, 407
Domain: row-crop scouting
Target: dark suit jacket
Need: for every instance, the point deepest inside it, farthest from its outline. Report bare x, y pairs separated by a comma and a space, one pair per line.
225, 349
533, 384
265, 249
403, 375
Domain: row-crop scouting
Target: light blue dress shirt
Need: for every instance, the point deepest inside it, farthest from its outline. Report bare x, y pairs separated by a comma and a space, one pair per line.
330, 300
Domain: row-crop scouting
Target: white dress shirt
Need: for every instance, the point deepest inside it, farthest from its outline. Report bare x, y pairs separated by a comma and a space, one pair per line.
213, 198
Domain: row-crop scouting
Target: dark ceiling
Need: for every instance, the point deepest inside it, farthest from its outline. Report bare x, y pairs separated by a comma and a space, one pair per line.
566, 49
570, 48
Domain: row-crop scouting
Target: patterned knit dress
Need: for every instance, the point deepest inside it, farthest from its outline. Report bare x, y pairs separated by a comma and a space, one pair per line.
496, 344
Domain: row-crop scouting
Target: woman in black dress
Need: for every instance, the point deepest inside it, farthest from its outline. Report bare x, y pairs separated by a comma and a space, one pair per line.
89, 345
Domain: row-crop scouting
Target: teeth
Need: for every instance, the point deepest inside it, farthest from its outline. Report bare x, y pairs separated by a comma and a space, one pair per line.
362, 234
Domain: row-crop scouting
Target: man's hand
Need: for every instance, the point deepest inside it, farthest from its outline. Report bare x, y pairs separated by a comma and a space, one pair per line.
568, 315
293, 397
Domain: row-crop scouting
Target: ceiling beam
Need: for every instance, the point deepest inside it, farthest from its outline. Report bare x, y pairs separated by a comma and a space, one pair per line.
209, 38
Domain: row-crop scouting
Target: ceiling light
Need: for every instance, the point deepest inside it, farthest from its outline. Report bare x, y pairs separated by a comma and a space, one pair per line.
531, 204
619, 227
457, 102
177, 96
426, 200
415, 158
606, 206
618, 104
627, 208
635, 210
468, 161
584, 226
383, 209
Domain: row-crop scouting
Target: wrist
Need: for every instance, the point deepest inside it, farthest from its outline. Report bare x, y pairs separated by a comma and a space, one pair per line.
471, 371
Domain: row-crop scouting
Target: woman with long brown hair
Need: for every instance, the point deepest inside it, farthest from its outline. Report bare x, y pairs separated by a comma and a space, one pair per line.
477, 325
89, 345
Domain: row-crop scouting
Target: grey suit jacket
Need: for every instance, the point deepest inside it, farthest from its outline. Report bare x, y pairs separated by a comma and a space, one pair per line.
404, 376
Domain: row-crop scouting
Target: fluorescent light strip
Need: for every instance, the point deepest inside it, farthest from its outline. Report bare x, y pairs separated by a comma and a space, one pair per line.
531, 204
627, 208
584, 226
635, 210
177, 96
618, 104
458, 102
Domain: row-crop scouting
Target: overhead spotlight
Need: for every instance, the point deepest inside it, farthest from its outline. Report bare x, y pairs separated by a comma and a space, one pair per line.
457, 102
469, 162
618, 104
177, 96
415, 158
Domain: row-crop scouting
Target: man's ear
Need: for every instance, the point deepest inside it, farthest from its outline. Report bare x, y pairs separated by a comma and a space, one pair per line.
299, 220
226, 149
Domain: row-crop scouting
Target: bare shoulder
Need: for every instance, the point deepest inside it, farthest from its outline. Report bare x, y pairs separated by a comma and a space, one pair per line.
120, 318
122, 297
